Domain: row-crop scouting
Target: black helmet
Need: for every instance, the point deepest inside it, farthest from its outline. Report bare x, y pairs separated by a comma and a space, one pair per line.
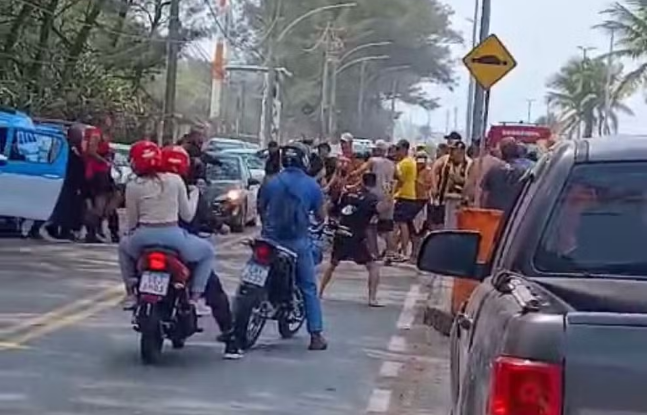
295, 155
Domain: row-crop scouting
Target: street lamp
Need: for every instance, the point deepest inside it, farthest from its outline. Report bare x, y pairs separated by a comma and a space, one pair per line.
362, 87
362, 47
360, 60
312, 13
333, 98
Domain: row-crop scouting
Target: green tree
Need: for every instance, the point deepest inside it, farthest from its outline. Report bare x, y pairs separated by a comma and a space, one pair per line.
75, 59
628, 20
578, 94
419, 53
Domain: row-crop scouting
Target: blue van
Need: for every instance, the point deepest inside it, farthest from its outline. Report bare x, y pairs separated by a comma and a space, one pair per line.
33, 161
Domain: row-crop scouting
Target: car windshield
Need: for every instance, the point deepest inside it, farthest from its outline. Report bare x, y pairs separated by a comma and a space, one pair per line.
226, 168
253, 162
599, 225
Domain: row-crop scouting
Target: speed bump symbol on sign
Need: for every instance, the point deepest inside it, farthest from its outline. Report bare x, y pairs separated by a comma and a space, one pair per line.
489, 62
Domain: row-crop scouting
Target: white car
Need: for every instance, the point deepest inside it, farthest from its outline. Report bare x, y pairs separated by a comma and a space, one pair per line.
220, 144
121, 170
254, 163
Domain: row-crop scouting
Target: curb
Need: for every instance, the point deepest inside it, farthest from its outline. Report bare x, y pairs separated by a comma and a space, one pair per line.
437, 313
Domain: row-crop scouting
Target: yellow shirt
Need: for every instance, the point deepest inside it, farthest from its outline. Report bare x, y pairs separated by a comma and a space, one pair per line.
407, 175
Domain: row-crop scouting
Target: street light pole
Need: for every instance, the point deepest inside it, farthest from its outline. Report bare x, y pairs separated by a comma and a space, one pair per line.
472, 87
607, 91
478, 114
360, 101
530, 102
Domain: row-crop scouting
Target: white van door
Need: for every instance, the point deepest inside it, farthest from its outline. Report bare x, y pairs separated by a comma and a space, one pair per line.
32, 171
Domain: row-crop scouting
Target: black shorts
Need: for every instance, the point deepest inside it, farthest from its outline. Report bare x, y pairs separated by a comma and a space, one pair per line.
346, 248
405, 210
435, 215
100, 184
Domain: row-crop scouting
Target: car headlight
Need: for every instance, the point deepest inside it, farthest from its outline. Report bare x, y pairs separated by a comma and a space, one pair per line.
234, 195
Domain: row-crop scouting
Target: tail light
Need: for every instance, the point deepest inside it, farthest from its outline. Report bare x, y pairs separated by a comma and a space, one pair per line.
262, 254
525, 387
157, 261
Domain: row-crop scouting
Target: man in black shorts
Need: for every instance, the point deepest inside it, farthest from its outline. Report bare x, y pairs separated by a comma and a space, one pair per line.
351, 243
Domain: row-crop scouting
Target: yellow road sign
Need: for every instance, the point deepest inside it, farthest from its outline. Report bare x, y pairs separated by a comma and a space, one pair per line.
489, 62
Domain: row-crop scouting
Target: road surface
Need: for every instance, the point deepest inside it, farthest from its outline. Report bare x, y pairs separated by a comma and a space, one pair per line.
65, 348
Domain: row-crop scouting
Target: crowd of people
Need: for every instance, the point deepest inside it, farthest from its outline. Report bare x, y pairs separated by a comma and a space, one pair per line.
399, 193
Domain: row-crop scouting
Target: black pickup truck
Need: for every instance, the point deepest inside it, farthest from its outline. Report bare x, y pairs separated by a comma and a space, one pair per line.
558, 325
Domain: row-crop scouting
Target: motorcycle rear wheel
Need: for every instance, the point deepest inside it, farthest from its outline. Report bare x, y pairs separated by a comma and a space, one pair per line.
249, 319
290, 324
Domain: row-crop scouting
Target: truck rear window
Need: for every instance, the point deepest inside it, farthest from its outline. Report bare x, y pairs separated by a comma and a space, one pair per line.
599, 225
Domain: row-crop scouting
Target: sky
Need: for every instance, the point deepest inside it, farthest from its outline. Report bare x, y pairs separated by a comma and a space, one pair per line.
542, 35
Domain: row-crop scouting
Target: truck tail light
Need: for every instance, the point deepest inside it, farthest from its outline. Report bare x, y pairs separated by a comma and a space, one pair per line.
525, 387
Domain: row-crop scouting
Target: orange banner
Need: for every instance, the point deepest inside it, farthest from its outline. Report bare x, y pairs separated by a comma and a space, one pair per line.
218, 69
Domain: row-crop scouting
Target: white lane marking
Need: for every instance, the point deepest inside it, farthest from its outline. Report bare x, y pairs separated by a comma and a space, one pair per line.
380, 401
398, 344
408, 313
390, 369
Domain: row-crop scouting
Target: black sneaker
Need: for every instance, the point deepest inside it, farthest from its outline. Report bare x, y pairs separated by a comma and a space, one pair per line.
232, 351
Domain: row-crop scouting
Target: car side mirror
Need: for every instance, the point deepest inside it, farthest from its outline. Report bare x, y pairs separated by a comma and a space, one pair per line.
253, 182
3, 159
451, 253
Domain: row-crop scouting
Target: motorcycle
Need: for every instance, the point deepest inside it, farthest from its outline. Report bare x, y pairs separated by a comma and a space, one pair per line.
163, 309
268, 289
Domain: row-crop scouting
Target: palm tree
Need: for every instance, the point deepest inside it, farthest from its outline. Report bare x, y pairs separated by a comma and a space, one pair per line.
578, 94
628, 22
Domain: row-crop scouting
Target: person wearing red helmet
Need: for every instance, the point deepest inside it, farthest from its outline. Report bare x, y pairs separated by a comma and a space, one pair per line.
175, 159
154, 202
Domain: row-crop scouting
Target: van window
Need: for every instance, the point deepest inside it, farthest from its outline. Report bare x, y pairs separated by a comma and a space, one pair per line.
34, 147
599, 225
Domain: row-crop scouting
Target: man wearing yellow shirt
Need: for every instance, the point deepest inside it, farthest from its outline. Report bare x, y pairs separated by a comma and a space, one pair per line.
407, 206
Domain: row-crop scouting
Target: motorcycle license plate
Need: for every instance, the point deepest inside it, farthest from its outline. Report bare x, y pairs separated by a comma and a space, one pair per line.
255, 274
155, 283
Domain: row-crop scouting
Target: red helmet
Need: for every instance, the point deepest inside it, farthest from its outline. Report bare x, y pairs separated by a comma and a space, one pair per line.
175, 159
145, 158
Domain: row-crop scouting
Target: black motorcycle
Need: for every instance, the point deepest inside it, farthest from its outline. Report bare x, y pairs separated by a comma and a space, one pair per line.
268, 288
268, 291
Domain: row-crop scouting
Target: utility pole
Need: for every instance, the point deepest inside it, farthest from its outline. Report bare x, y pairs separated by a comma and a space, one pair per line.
171, 70
479, 123
336, 46
472, 87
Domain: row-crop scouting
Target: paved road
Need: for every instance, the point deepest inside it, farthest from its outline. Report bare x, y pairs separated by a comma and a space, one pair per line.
66, 349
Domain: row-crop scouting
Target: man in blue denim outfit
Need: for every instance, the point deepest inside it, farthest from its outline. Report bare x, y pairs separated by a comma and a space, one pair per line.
285, 203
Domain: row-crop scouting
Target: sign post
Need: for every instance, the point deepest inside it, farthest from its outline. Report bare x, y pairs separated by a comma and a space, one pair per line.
489, 62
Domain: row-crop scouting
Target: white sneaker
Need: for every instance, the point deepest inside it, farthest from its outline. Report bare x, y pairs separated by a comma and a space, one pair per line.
201, 307
129, 302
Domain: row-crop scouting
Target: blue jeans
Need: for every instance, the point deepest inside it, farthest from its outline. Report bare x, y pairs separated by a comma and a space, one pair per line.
192, 249
306, 281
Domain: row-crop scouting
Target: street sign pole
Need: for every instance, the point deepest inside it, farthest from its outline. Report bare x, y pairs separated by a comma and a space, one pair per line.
486, 115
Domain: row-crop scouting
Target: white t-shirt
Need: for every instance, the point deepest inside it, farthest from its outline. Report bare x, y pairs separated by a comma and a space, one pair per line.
161, 199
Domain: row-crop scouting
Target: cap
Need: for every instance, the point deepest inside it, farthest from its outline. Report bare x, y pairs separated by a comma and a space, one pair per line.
421, 155
347, 137
454, 136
